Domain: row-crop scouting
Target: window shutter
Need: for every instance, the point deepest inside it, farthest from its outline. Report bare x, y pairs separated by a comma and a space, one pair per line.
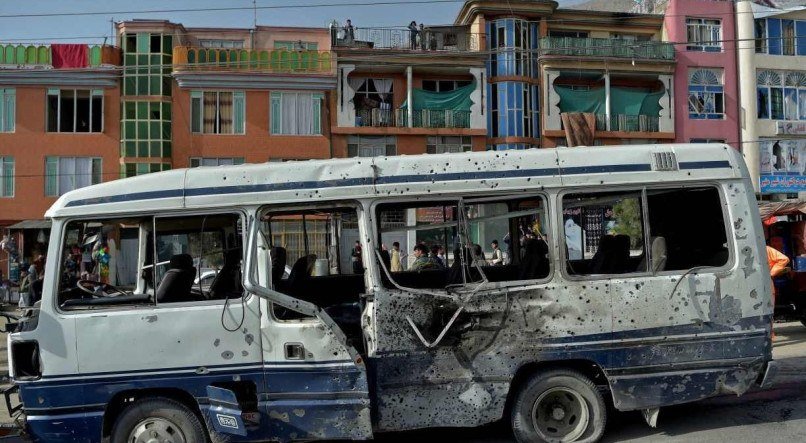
239, 112
800, 31
196, 111
276, 113
7, 111
7, 164
317, 113
97, 171
774, 34
51, 176
195, 162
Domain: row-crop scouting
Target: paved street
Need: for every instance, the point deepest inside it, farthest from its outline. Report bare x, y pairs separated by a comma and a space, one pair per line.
774, 415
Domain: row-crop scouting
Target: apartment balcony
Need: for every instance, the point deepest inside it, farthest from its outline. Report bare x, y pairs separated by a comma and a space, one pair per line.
272, 61
30, 56
421, 118
603, 47
628, 123
439, 38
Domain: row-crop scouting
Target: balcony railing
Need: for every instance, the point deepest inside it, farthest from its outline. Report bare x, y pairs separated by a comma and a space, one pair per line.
422, 118
38, 55
433, 39
274, 60
628, 123
603, 47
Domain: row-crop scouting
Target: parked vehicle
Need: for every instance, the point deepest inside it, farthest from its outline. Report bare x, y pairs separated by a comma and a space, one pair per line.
634, 274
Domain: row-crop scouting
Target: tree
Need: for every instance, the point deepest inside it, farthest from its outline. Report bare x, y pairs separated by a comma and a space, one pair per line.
627, 215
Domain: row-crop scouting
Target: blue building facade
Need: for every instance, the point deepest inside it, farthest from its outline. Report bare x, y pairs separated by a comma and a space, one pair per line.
513, 107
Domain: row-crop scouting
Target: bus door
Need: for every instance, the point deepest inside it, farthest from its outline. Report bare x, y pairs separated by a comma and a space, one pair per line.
316, 379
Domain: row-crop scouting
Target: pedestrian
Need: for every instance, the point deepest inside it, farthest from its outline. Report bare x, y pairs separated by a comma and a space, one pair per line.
497, 257
423, 260
778, 266
413, 31
423, 38
358, 266
349, 32
25, 288
435, 255
396, 265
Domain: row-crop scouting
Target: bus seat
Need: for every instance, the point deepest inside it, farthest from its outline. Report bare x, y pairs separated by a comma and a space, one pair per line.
535, 263
228, 280
600, 261
300, 273
177, 281
658, 250
621, 255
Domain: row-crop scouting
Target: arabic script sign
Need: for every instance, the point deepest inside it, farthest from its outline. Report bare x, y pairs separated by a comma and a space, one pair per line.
783, 166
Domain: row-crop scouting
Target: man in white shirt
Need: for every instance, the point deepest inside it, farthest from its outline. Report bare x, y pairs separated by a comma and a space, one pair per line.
497, 258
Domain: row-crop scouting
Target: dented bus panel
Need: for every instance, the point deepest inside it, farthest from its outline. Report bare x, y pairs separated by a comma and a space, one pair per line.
566, 274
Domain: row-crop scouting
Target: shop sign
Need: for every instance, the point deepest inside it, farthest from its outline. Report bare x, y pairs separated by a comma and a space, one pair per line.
792, 128
783, 166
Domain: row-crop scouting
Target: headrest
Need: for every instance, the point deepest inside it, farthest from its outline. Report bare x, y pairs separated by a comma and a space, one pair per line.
181, 261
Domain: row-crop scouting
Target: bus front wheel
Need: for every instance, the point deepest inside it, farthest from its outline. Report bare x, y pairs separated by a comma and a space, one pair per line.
558, 406
158, 419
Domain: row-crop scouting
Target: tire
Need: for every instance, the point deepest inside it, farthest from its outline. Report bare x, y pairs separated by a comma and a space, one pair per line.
168, 418
559, 406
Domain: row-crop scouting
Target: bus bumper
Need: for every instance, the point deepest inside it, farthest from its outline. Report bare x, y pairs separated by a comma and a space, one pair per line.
769, 374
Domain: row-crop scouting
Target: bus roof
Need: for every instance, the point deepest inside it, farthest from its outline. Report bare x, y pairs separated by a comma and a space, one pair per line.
410, 175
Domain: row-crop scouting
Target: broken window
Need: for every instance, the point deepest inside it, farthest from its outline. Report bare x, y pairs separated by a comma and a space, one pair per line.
653, 230
316, 257
686, 229
432, 245
117, 262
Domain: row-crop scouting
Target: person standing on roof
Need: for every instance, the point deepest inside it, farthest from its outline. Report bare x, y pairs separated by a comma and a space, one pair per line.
413, 32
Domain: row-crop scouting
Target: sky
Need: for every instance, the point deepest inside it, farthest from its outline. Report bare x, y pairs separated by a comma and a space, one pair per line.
93, 28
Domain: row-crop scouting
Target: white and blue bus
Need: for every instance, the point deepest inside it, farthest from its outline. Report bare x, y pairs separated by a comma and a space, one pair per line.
570, 278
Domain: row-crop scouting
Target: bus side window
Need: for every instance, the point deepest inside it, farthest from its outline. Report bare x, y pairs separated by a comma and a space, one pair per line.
687, 228
604, 233
315, 257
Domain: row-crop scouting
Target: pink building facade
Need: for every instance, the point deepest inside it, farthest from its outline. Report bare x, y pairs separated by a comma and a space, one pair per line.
706, 76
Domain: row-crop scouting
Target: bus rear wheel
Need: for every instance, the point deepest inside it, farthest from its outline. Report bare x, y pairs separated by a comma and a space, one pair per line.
158, 420
559, 406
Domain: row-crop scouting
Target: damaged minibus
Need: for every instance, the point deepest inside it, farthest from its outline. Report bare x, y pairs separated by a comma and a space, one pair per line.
571, 279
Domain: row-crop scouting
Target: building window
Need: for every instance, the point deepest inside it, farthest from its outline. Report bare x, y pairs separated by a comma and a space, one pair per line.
296, 113
706, 98
215, 112
781, 95
514, 110
6, 176
298, 45
75, 110
64, 174
7, 112
371, 145
147, 62
215, 161
445, 144
707, 140
444, 85
704, 34
146, 129
761, 35
135, 169
780, 37
209, 43
373, 101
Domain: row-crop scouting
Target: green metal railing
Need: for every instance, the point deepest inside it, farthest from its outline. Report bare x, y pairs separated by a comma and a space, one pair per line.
628, 123
11, 54
604, 47
273, 60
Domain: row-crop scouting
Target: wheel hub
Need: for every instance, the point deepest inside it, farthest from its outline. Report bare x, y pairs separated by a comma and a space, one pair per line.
560, 414
156, 430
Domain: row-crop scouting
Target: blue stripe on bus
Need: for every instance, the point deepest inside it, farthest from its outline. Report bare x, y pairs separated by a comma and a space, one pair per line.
389, 180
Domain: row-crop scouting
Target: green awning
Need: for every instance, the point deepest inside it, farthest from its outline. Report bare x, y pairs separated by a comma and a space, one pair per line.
627, 101
456, 100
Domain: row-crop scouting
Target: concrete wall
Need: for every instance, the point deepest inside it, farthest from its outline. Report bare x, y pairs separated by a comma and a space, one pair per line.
29, 144
675, 29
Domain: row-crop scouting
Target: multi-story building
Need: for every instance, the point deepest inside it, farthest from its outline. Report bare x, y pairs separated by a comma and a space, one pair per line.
544, 62
210, 96
59, 119
772, 60
408, 92
706, 76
